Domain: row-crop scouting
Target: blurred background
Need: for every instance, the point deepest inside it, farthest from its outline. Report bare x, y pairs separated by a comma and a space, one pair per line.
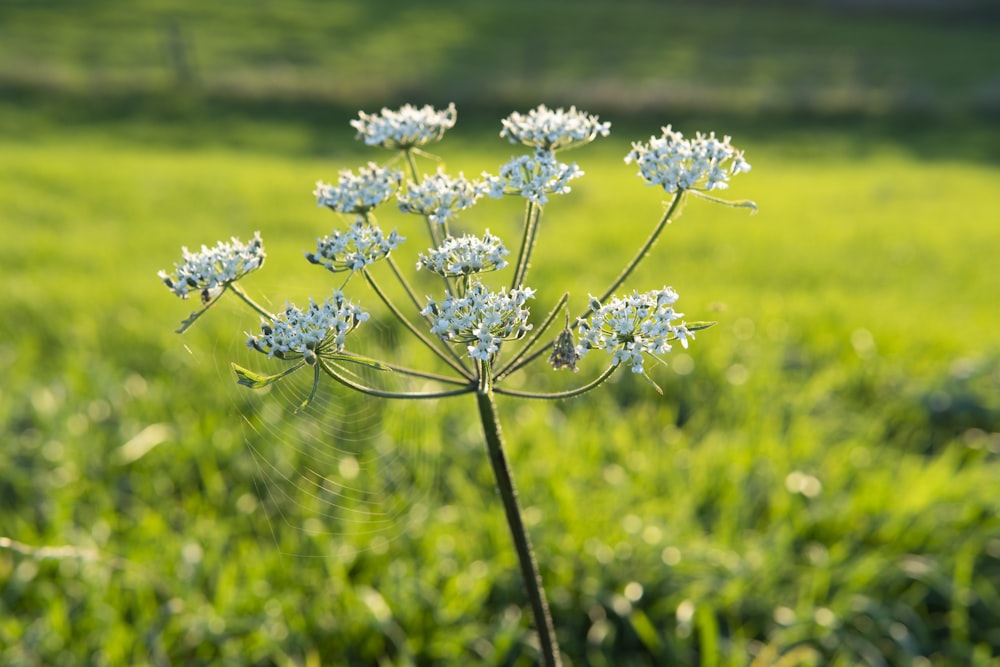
817, 486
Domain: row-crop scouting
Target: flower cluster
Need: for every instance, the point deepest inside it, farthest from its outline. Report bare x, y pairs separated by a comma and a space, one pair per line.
353, 249
629, 327
440, 197
677, 163
551, 130
533, 177
465, 255
482, 319
308, 333
210, 270
358, 193
404, 128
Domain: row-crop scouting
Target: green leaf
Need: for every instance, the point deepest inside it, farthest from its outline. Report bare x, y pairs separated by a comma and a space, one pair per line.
699, 326
741, 203
248, 378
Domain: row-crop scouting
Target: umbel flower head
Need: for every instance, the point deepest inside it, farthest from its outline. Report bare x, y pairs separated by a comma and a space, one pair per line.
676, 163
404, 128
465, 255
308, 334
533, 177
440, 196
482, 319
353, 249
628, 328
358, 193
210, 270
553, 130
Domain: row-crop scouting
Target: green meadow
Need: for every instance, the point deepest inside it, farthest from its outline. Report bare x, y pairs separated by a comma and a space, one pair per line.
817, 485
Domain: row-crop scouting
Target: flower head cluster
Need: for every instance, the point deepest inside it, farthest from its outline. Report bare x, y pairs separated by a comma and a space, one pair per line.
353, 249
465, 255
553, 130
629, 327
358, 193
533, 177
676, 163
440, 197
210, 270
311, 332
404, 128
481, 318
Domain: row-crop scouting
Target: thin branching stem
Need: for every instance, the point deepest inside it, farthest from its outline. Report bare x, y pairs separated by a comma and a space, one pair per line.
453, 360
401, 277
512, 365
532, 213
250, 302
380, 393
569, 393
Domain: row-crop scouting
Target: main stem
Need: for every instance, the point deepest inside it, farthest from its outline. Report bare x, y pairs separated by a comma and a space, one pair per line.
525, 555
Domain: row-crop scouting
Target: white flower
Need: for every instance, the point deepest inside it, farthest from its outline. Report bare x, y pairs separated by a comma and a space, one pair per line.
311, 332
440, 196
677, 163
353, 249
629, 327
533, 177
404, 128
553, 130
358, 193
464, 255
481, 319
210, 270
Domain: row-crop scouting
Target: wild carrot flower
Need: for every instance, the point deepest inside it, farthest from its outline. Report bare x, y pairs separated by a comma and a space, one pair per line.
210, 270
440, 197
629, 327
676, 163
358, 193
308, 333
543, 128
533, 177
465, 255
482, 319
404, 128
351, 250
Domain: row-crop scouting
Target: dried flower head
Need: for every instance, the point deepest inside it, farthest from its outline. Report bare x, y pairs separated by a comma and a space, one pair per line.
629, 327
465, 255
676, 163
482, 319
210, 270
533, 177
404, 128
564, 353
440, 197
553, 130
353, 249
358, 193
320, 328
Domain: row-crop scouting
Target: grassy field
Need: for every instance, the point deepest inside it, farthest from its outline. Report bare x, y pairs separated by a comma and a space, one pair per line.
817, 486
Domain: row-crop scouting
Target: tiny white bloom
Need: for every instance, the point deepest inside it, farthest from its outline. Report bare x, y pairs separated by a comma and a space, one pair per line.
553, 130
533, 177
358, 193
351, 250
465, 255
629, 327
676, 163
311, 332
404, 128
481, 319
440, 197
210, 270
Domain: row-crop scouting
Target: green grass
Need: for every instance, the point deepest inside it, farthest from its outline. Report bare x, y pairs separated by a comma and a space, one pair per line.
818, 480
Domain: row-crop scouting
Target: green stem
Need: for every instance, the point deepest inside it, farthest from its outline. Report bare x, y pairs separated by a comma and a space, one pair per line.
569, 393
250, 302
532, 214
525, 555
371, 391
431, 229
456, 365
